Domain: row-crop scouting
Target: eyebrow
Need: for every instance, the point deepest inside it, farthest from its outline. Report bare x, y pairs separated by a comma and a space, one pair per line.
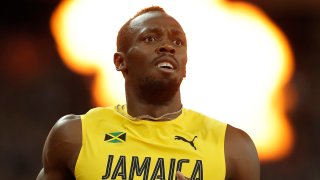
177, 32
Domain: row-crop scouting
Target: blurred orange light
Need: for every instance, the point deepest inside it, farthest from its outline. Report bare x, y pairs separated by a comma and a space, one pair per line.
245, 59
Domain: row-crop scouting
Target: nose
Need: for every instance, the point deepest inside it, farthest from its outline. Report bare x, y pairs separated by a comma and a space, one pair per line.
166, 48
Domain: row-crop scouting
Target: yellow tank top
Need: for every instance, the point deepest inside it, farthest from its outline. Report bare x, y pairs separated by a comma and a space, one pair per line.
115, 147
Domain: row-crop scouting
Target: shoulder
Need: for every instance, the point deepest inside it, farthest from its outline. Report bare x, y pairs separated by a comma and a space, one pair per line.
205, 122
192, 114
241, 155
63, 144
67, 120
67, 128
99, 111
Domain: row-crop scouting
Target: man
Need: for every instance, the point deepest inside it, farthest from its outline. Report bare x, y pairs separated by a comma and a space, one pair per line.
152, 136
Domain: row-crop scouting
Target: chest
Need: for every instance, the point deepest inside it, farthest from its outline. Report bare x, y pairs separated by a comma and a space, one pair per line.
151, 152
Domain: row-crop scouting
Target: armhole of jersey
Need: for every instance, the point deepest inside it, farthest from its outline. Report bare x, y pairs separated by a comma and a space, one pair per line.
224, 152
83, 130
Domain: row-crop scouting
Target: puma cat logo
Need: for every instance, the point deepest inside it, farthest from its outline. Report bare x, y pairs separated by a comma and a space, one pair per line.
185, 140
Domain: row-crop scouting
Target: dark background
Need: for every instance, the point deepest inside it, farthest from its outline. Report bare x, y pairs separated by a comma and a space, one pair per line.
36, 88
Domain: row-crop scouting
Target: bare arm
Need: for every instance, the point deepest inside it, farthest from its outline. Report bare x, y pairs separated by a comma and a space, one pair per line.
61, 149
241, 156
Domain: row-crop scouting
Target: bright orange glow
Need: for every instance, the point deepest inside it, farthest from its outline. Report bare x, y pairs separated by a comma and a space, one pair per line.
238, 61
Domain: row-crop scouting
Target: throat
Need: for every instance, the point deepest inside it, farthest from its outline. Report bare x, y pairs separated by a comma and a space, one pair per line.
122, 109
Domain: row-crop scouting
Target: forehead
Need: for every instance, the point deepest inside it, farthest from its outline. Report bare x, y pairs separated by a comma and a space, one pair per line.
155, 20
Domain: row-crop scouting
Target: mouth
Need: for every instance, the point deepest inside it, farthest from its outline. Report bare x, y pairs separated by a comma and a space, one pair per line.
166, 64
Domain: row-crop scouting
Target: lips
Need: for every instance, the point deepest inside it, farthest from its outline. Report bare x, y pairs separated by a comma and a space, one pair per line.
166, 63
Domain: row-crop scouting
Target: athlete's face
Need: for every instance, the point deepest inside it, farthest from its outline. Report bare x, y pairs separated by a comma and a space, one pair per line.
157, 48
155, 61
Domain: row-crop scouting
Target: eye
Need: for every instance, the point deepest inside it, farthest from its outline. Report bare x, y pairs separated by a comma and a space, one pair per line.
148, 39
178, 42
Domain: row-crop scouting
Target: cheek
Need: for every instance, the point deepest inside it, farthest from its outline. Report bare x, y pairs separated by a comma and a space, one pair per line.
184, 70
184, 65
137, 59
137, 54
184, 60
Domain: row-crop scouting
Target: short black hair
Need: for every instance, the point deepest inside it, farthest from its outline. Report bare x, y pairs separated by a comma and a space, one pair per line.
122, 45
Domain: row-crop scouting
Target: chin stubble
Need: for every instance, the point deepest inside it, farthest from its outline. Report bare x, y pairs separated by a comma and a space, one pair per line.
158, 92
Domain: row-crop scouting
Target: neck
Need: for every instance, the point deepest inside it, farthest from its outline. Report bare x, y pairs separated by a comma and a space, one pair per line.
137, 107
165, 117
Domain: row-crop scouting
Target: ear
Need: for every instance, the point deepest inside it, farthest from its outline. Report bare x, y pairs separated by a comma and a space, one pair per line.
119, 61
